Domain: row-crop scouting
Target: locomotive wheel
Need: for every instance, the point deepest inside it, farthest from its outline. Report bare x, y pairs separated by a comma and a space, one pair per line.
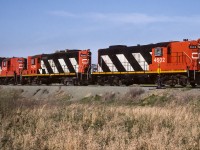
84, 83
117, 82
100, 82
29, 81
22, 82
127, 84
183, 83
193, 84
12, 81
48, 83
172, 81
111, 83
80, 83
65, 83
120, 83
75, 82
2, 82
39, 82
5, 82
69, 83
172, 84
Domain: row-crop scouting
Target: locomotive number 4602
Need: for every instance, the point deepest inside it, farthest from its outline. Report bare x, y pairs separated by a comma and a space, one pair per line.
159, 59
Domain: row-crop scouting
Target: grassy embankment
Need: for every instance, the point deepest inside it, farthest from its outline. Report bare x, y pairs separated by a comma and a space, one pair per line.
156, 122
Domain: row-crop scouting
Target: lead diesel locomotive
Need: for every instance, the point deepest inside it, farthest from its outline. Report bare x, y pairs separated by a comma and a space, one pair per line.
168, 63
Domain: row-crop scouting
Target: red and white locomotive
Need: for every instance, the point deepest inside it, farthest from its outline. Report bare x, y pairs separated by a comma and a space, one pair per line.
171, 63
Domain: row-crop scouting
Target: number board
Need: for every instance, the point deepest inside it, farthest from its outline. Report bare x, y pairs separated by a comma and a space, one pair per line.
192, 46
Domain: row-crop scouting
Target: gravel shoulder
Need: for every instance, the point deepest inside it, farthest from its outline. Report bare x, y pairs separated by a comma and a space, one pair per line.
80, 92
71, 92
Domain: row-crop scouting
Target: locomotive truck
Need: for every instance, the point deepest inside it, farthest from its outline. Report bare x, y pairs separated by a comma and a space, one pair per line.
167, 63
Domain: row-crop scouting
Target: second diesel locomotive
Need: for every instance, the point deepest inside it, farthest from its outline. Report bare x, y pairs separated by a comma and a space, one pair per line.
67, 67
171, 63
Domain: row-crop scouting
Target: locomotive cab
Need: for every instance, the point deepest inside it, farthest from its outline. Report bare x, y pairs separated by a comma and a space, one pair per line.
177, 56
84, 61
13, 66
178, 62
11, 70
33, 64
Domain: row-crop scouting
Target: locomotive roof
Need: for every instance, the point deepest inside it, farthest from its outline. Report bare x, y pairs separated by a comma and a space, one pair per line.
124, 47
57, 53
5, 59
1, 58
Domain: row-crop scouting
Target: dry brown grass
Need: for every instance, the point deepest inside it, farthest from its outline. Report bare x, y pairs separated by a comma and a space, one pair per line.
96, 127
162, 121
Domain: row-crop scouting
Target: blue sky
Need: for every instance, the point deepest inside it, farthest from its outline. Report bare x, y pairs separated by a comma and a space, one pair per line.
29, 27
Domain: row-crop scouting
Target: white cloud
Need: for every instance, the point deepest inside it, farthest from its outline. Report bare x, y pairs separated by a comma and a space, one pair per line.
124, 18
62, 14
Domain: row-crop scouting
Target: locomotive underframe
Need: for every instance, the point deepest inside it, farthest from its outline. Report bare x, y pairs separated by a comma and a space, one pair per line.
38, 79
112, 79
161, 79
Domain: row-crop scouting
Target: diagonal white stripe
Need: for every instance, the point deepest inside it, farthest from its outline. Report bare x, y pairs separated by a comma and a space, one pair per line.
125, 62
99, 69
63, 65
43, 67
141, 61
74, 63
109, 63
40, 70
53, 66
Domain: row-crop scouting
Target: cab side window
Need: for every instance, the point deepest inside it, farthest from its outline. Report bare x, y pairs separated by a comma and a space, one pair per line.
158, 51
4, 64
32, 61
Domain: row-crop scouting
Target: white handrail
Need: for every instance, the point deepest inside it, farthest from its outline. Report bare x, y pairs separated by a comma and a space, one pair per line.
188, 57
